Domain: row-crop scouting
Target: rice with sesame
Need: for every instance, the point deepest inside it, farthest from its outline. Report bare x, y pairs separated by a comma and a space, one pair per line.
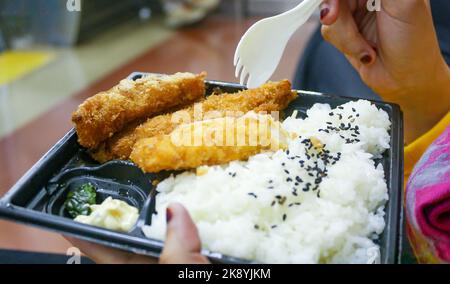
320, 201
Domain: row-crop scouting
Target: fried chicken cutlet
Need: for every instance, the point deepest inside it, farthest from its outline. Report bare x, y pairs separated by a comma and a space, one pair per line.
209, 142
106, 113
273, 96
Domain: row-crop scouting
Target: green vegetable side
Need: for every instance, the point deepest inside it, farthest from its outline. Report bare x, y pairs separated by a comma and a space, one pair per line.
79, 200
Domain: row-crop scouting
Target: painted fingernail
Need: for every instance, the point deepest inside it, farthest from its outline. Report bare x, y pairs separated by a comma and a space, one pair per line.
168, 215
324, 12
366, 59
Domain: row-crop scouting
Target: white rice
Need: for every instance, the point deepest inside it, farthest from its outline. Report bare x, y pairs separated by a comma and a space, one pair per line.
251, 210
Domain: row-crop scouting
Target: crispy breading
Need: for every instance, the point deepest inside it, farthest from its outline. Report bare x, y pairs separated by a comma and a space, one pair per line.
102, 115
209, 142
273, 96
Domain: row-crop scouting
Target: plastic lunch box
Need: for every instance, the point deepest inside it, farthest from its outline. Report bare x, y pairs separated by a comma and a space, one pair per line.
38, 197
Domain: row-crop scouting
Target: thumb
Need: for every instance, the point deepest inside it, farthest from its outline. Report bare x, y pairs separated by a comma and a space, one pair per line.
183, 245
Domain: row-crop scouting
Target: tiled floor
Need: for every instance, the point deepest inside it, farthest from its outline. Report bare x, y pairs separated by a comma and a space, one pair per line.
37, 110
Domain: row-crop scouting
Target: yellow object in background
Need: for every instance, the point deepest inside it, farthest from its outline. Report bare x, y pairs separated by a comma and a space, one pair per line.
15, 64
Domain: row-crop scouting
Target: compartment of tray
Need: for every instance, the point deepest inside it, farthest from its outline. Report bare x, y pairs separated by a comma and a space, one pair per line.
117, 179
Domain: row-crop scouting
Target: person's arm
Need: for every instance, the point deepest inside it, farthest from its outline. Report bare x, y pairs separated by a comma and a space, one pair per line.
182, 244
396, 53
427, 202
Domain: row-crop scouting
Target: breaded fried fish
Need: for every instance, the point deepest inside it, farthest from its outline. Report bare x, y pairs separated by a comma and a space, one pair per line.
102, 115
273, 96
209, 142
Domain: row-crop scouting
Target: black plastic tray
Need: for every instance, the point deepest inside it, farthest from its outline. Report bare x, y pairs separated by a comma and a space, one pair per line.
37, 198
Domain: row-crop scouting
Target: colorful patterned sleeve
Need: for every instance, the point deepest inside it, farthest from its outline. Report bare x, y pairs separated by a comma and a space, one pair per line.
428, 203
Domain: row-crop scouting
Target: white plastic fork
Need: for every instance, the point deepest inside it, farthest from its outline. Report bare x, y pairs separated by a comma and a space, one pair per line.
260, 49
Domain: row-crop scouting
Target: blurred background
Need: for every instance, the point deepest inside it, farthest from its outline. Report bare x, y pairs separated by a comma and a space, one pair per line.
56, 53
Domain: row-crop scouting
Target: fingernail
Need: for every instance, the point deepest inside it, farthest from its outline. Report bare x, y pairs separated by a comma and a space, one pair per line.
168, 215
366, 59
324, 12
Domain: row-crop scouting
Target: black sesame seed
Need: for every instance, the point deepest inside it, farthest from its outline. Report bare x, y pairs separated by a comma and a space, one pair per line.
306, 189
331, 114
353, 109
286, 171
284, 217
252, 194
256, 227
274, 226
289, 180
273, 203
